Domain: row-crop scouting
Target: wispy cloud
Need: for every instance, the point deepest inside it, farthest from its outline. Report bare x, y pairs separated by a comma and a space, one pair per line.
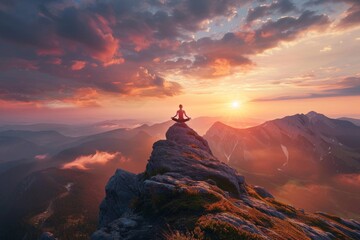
326, 49
88, 161
351, 180
350, 18
42, 156
281, 6
349, 86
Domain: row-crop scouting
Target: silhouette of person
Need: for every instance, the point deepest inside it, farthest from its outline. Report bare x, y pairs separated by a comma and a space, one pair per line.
181, 114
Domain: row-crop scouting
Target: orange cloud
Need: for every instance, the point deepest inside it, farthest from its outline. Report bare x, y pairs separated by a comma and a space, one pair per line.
140, 42
352, 180
78, 65
111, 46
85, 97
221, 67
84, 162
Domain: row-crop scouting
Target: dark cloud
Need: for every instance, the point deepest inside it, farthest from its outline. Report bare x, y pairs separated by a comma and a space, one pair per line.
34, 33
125, 47
28, 86
351, 17
288, 28
349, 86
281, 6
34, 86
235, 48
189, 15
85, 28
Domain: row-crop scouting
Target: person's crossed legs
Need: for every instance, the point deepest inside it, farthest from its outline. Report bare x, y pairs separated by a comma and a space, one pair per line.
180, 120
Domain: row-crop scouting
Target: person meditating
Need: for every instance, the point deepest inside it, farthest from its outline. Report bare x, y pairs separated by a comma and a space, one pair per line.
181, 114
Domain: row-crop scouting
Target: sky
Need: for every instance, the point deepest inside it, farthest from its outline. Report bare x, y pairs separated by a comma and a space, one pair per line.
91, 60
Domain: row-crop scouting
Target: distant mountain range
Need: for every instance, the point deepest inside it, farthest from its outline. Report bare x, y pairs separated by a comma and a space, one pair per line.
202, 124
75, 130
353, 120
59, 162
297, 156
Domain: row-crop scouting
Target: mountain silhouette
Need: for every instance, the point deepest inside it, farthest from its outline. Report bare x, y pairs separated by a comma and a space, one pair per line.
187, 193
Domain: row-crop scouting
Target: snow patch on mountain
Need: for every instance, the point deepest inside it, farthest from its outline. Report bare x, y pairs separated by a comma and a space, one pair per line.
286, 153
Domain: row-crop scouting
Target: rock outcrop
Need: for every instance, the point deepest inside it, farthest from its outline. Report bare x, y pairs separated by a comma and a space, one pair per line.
186, 193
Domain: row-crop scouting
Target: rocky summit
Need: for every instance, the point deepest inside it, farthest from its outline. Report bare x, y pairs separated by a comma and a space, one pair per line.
186, 193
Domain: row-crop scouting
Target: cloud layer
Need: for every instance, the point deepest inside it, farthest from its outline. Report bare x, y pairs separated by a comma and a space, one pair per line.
74, 52
88, 161
349, 86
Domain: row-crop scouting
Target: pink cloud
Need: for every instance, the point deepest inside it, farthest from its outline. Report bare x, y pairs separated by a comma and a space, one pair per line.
50, 52
114, 61
55, 61
85, 97
102, 28
141, 42
78, 65
82, 97
84, 162
20, 63
351, 180
41, 156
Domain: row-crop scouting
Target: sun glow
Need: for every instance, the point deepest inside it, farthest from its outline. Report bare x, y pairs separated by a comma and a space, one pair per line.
235, 104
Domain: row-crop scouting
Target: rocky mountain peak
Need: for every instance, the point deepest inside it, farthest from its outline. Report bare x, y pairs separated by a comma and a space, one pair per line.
184, 152
182, 134
314, 116
186, 193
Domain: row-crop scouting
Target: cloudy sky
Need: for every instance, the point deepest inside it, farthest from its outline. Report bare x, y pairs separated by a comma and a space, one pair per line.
89, 60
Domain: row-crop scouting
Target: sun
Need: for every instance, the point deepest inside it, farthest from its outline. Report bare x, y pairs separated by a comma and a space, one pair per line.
235, 104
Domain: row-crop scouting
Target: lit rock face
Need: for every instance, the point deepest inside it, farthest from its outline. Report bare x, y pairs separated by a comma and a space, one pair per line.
186, 153
186, 191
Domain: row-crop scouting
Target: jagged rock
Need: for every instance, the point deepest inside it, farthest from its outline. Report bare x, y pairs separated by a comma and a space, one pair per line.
262, 192
120, 190
130, 227
188, 154
182, 134
185, 191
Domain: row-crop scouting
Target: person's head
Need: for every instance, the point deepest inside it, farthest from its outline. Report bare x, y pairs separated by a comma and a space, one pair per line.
180, 106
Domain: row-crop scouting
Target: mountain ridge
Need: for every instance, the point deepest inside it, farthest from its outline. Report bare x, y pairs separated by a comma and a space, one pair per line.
314, 132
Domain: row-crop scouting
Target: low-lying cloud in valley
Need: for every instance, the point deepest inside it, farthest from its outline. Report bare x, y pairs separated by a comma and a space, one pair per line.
87, 162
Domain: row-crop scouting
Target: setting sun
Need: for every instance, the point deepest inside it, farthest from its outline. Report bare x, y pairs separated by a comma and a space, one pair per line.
235, 104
